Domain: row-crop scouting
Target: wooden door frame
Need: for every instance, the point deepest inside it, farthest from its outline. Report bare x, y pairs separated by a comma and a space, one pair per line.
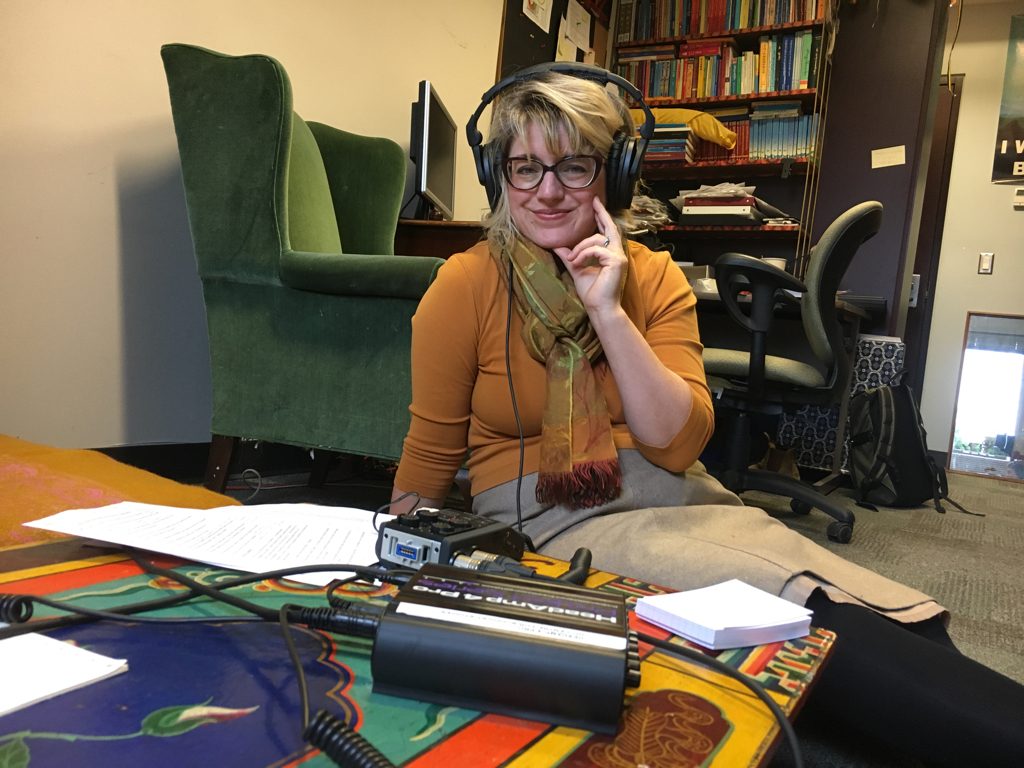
929, 241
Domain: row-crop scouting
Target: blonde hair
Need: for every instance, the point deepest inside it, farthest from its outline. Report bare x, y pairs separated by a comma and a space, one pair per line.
590, 115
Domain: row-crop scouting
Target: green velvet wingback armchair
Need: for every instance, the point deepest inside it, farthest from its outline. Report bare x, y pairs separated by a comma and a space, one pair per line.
293, 224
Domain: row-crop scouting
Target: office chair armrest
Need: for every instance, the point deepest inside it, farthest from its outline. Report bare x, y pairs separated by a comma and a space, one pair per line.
737, 272
354, 274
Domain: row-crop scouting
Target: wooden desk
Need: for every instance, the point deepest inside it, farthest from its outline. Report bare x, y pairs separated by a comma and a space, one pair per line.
225, 693
436, 238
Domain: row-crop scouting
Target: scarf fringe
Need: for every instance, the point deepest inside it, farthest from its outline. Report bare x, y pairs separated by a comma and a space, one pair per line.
588, 485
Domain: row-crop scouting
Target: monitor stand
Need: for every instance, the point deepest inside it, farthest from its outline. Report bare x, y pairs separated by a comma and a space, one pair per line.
426, 210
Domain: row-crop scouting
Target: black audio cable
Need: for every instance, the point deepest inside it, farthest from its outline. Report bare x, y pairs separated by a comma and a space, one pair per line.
380, 510
579, 567
21, 624
343, 745
96, 614
15, 609
515, 405
345, 618
488, 562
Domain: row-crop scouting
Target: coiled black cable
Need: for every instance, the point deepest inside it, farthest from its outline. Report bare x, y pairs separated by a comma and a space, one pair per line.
15, 609
343, 745
93, 614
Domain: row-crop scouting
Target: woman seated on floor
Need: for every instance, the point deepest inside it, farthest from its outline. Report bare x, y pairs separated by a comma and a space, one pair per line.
602, 350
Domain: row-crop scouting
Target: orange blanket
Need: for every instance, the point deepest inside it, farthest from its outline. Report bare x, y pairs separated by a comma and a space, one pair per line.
38, 480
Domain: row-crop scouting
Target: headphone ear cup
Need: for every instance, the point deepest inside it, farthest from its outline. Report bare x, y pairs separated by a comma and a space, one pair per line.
621, 172
490, 173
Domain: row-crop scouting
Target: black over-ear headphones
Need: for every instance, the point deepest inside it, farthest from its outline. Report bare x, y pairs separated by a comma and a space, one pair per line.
624, 157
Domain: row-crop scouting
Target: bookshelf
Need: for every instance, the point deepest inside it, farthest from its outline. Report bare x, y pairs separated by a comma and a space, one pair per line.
760, 68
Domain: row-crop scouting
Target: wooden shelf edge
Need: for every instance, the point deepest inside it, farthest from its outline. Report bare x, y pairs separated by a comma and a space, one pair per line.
804, 94
677, 169
725, 230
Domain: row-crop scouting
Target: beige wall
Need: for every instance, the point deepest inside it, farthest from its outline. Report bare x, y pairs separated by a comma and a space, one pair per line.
979, 215
102, 335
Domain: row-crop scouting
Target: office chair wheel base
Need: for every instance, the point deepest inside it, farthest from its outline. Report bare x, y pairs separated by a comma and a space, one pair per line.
800, 507
840, 532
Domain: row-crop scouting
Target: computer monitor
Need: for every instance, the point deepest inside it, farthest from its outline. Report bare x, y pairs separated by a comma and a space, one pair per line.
432, 150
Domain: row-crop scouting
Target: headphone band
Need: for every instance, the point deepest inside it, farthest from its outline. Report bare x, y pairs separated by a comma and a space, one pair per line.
624, 155
585, 71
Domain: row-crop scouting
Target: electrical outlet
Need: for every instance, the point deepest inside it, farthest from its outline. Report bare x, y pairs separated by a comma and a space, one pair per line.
985, 262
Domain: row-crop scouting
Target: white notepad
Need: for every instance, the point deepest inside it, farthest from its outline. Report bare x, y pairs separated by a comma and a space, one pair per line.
36, 667
732, 614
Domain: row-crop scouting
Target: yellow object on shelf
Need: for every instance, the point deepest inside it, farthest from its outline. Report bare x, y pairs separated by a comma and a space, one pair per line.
704, 125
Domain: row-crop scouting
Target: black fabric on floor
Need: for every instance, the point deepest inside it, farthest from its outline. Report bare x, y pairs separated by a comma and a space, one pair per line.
907, 689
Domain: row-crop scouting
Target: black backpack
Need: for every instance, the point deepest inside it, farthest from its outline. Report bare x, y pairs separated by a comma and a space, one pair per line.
888, 451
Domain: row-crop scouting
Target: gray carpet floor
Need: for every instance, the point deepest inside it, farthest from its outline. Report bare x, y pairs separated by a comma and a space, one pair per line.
971, 565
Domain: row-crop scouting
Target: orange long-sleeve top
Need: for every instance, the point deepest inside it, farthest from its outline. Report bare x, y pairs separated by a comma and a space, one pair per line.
460, 388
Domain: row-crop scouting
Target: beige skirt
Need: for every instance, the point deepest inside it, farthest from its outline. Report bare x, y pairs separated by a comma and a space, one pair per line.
686, 531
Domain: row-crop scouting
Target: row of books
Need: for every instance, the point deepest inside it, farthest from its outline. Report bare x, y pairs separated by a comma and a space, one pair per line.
775, 137
639, 20
715, 68
769, 131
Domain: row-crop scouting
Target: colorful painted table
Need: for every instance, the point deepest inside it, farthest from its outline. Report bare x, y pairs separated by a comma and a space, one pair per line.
224, 694
216, 693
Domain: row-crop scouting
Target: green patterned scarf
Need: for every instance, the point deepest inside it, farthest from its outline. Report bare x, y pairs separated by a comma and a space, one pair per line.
578, 463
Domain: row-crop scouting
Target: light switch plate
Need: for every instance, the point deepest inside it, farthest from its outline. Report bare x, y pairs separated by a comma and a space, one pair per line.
986, 260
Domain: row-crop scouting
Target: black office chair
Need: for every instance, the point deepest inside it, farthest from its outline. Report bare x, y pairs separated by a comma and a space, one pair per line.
755, 382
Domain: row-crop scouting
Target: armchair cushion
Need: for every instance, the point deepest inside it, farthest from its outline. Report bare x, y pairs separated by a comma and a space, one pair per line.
367, 213
311, 223
351, 274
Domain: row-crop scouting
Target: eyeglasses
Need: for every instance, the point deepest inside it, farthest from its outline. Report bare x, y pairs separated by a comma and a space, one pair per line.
575, 172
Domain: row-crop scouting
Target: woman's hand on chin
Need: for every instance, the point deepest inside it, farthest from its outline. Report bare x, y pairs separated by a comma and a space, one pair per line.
597, 265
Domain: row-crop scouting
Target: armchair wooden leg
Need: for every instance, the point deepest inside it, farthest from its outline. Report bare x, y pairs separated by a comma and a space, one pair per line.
222, 447
323, 460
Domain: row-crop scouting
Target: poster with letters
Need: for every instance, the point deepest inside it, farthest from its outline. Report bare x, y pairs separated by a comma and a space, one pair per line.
1008, 166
